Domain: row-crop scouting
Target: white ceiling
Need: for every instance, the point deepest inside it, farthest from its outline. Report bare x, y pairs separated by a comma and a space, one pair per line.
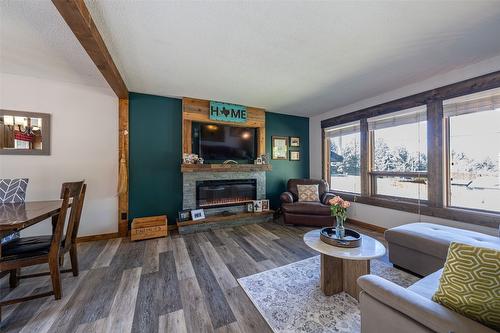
35, 41
300, 58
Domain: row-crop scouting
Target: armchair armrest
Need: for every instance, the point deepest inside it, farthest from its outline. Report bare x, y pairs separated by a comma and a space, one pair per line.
420, 309
286, 197
326, 197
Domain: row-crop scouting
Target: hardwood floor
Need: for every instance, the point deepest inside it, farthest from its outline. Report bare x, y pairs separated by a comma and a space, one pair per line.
175, 284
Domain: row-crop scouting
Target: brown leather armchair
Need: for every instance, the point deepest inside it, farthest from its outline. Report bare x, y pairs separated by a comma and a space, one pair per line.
307, 213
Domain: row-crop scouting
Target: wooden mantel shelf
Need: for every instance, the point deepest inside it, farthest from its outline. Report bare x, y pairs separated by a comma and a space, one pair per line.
225, 167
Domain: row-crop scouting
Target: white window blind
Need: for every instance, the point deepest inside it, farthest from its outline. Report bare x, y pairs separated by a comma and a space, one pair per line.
344, 129
407, 116
483, 101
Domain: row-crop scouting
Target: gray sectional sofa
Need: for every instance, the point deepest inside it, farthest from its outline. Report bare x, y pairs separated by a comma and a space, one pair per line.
421, 248
389, 308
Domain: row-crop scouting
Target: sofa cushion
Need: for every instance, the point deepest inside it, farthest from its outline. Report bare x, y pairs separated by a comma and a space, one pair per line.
306, 208
427, 286
292, 186
470, 283
308, 192
434, 239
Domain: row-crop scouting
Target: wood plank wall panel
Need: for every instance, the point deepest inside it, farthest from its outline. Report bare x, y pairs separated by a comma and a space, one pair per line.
197, 110
123, 141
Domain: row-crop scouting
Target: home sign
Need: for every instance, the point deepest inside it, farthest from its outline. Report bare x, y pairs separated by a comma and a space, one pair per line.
227, 112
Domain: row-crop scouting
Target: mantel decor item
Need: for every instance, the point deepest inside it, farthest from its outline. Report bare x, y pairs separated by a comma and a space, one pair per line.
192, 159
351, 238
184, 215
197, 214
279, 148
338, 208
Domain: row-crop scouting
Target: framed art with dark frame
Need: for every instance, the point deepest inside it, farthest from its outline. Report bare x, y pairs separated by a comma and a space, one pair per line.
294, 156
184, 215
294, 141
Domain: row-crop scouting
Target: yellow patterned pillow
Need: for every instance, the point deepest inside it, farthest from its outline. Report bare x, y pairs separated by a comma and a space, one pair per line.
308, 192
470, 283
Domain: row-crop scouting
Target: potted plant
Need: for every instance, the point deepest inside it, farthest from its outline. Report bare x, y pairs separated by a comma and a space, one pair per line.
338, 208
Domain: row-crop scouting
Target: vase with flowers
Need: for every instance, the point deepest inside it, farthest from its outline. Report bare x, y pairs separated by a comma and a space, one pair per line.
338, 208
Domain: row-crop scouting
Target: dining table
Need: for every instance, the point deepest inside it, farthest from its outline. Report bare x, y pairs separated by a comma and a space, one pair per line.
18, 216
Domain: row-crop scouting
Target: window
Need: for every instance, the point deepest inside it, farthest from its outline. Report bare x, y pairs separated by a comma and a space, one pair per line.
473, 134
399, 149
435, 153
344, 157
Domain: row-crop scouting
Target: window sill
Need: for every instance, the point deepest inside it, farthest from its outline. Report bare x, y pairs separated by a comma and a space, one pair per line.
481, 218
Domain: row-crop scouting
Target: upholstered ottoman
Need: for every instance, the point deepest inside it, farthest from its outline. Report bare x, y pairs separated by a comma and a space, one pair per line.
422, 247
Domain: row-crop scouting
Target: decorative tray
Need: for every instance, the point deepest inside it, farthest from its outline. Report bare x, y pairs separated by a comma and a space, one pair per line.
351, 238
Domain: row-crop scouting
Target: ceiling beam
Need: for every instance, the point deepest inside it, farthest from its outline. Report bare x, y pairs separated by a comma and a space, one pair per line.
79, 20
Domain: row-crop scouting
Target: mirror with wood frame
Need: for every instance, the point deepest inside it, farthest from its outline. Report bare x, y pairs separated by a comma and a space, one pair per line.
24, 133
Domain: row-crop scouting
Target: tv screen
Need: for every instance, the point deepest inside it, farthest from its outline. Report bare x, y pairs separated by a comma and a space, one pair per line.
215, 143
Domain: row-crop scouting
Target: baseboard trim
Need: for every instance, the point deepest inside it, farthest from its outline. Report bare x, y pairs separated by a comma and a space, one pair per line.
92, 238
367, 225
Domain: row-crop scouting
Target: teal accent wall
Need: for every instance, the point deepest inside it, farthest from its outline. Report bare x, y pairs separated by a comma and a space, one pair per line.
155, 179
286, 125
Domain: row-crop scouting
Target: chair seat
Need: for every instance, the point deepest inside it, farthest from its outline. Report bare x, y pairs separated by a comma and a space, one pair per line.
307, 208
26, 247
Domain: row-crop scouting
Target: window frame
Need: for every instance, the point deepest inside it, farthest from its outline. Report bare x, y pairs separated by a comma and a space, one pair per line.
447, 178
373, 174
438, 171
327, 164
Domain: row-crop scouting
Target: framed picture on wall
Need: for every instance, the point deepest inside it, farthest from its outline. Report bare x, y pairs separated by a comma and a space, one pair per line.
279, 148
294, 156
294, 141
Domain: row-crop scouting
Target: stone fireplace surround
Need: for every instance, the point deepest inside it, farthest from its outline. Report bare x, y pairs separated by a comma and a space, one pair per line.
189, 188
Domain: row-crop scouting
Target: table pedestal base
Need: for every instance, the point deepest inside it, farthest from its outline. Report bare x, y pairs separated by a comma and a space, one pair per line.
338, 275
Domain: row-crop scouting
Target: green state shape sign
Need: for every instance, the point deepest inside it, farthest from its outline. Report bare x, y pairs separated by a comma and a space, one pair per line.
227, 112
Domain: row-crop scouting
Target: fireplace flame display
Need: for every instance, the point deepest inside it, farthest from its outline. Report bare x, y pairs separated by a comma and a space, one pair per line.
220, 193
224, 202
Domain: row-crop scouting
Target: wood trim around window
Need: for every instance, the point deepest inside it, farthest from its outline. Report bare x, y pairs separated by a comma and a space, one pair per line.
437, 154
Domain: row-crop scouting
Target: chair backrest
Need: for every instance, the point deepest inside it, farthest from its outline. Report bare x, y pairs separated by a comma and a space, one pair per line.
13, 190
76, 192
292, 186
55, 245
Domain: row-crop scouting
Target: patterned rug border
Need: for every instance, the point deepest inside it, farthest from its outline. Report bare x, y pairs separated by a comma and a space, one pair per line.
381, 268
247, 292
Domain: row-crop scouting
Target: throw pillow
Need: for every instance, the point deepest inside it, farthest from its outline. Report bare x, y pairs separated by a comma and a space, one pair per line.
308, 192
13, 190
470, 283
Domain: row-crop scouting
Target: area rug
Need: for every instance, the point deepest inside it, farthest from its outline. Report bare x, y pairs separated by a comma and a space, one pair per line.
290, 299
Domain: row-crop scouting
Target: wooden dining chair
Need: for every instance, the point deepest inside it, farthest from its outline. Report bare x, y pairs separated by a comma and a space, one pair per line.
23, 252
68, 244
77, 193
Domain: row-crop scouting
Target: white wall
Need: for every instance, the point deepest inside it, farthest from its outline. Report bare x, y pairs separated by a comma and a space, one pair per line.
382, 216
84, 145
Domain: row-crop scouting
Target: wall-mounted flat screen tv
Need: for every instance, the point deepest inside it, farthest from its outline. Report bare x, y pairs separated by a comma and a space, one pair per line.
217, 143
